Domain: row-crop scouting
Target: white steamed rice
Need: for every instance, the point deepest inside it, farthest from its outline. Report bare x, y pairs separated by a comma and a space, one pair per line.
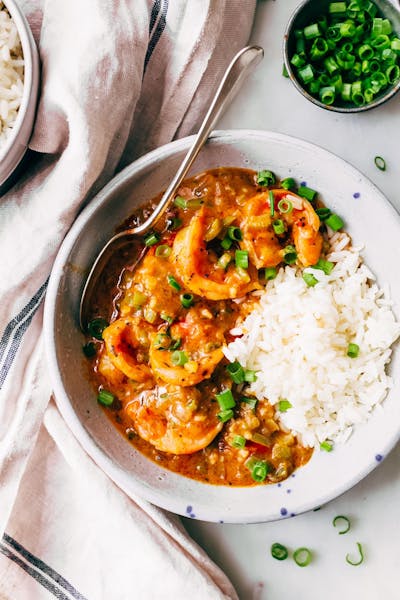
11, 74
297, 340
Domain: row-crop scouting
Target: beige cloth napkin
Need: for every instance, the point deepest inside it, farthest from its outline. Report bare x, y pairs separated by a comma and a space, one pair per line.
119, 77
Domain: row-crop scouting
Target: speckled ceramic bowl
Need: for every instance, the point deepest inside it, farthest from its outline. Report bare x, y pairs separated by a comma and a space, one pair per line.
14, 149
327, 474
304, 14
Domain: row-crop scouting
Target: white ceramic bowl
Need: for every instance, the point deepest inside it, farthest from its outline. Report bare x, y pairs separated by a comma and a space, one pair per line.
13, 151
370, 219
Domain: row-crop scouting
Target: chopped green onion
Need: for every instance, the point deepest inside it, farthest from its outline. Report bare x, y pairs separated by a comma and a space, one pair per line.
284, 405
297, 61
285, 206
162, 341
271, 203
326, 446
307, 193
225, 415
270, 273
242, 259
175, 344
96, 328
289, 183
163, 251
180, 202
226, 243
250, 376
319, 48
312, 31
224, 260
186, 300
243, 274
166, 318
173, 283
306, 74
284, 71
323, 213
310, 279
337, 521
236, 372
179, 358
324, 265
235, 234
380, 163
353, 350
105, 397
289, 255
225, 400
266, 178
252, 402
89, 350
194, 203
258, 468
302, 557
279, 551
152, 239
355, 563
327, 94
334, 222
279, 226
174, 223
337, 9
239, 441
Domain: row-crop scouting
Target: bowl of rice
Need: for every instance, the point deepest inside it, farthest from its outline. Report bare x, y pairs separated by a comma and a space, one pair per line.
19, 80
323, 339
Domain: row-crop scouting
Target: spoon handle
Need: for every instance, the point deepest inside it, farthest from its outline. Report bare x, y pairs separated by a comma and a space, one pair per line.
240, 66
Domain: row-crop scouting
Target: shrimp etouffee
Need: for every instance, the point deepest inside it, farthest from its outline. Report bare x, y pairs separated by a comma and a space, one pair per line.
158, 329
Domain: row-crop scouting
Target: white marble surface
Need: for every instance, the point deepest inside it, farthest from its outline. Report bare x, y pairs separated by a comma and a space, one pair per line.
269, 101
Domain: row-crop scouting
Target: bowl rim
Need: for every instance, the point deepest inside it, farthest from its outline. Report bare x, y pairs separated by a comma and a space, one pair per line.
128, 483
29, 94
392, 91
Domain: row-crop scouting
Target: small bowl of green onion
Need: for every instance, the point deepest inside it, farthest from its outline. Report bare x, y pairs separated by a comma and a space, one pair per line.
344, 56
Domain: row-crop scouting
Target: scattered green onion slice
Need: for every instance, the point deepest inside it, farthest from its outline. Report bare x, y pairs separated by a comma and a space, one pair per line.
324, 265
285, 206
353, 350
186, 300
334, 222
225, 415
174, 223
252, 402
326, 446
105, 397
284, 71
89, 350
173, 283
279, 226
302, 557
323, 213
162, 341
236, 372
226, 243
271, 203
175, 344
180, 202
310, 279
380, 163
235, 234
151, 239
284, 405
270, 273
337, 523
225, 400
355, 563
266, 178
258, 468
289, 254
242, 259
166, 318
163, 251
179, 358
250, 375
96, 327
239, 441
288, 183
224, 260
307, 193
279, 551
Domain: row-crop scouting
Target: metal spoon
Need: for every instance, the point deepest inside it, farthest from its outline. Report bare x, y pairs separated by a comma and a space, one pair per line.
244, 61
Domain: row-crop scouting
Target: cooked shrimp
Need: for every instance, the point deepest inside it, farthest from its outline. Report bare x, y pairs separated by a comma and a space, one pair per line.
200, 349
264, 245
199, 273
175, 420
126, 340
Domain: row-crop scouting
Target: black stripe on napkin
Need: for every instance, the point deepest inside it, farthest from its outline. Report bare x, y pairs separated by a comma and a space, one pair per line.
157, 33
154, 14
15, 331
40, 569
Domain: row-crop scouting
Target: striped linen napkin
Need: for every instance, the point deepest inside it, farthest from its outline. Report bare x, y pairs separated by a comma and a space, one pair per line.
118, 79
